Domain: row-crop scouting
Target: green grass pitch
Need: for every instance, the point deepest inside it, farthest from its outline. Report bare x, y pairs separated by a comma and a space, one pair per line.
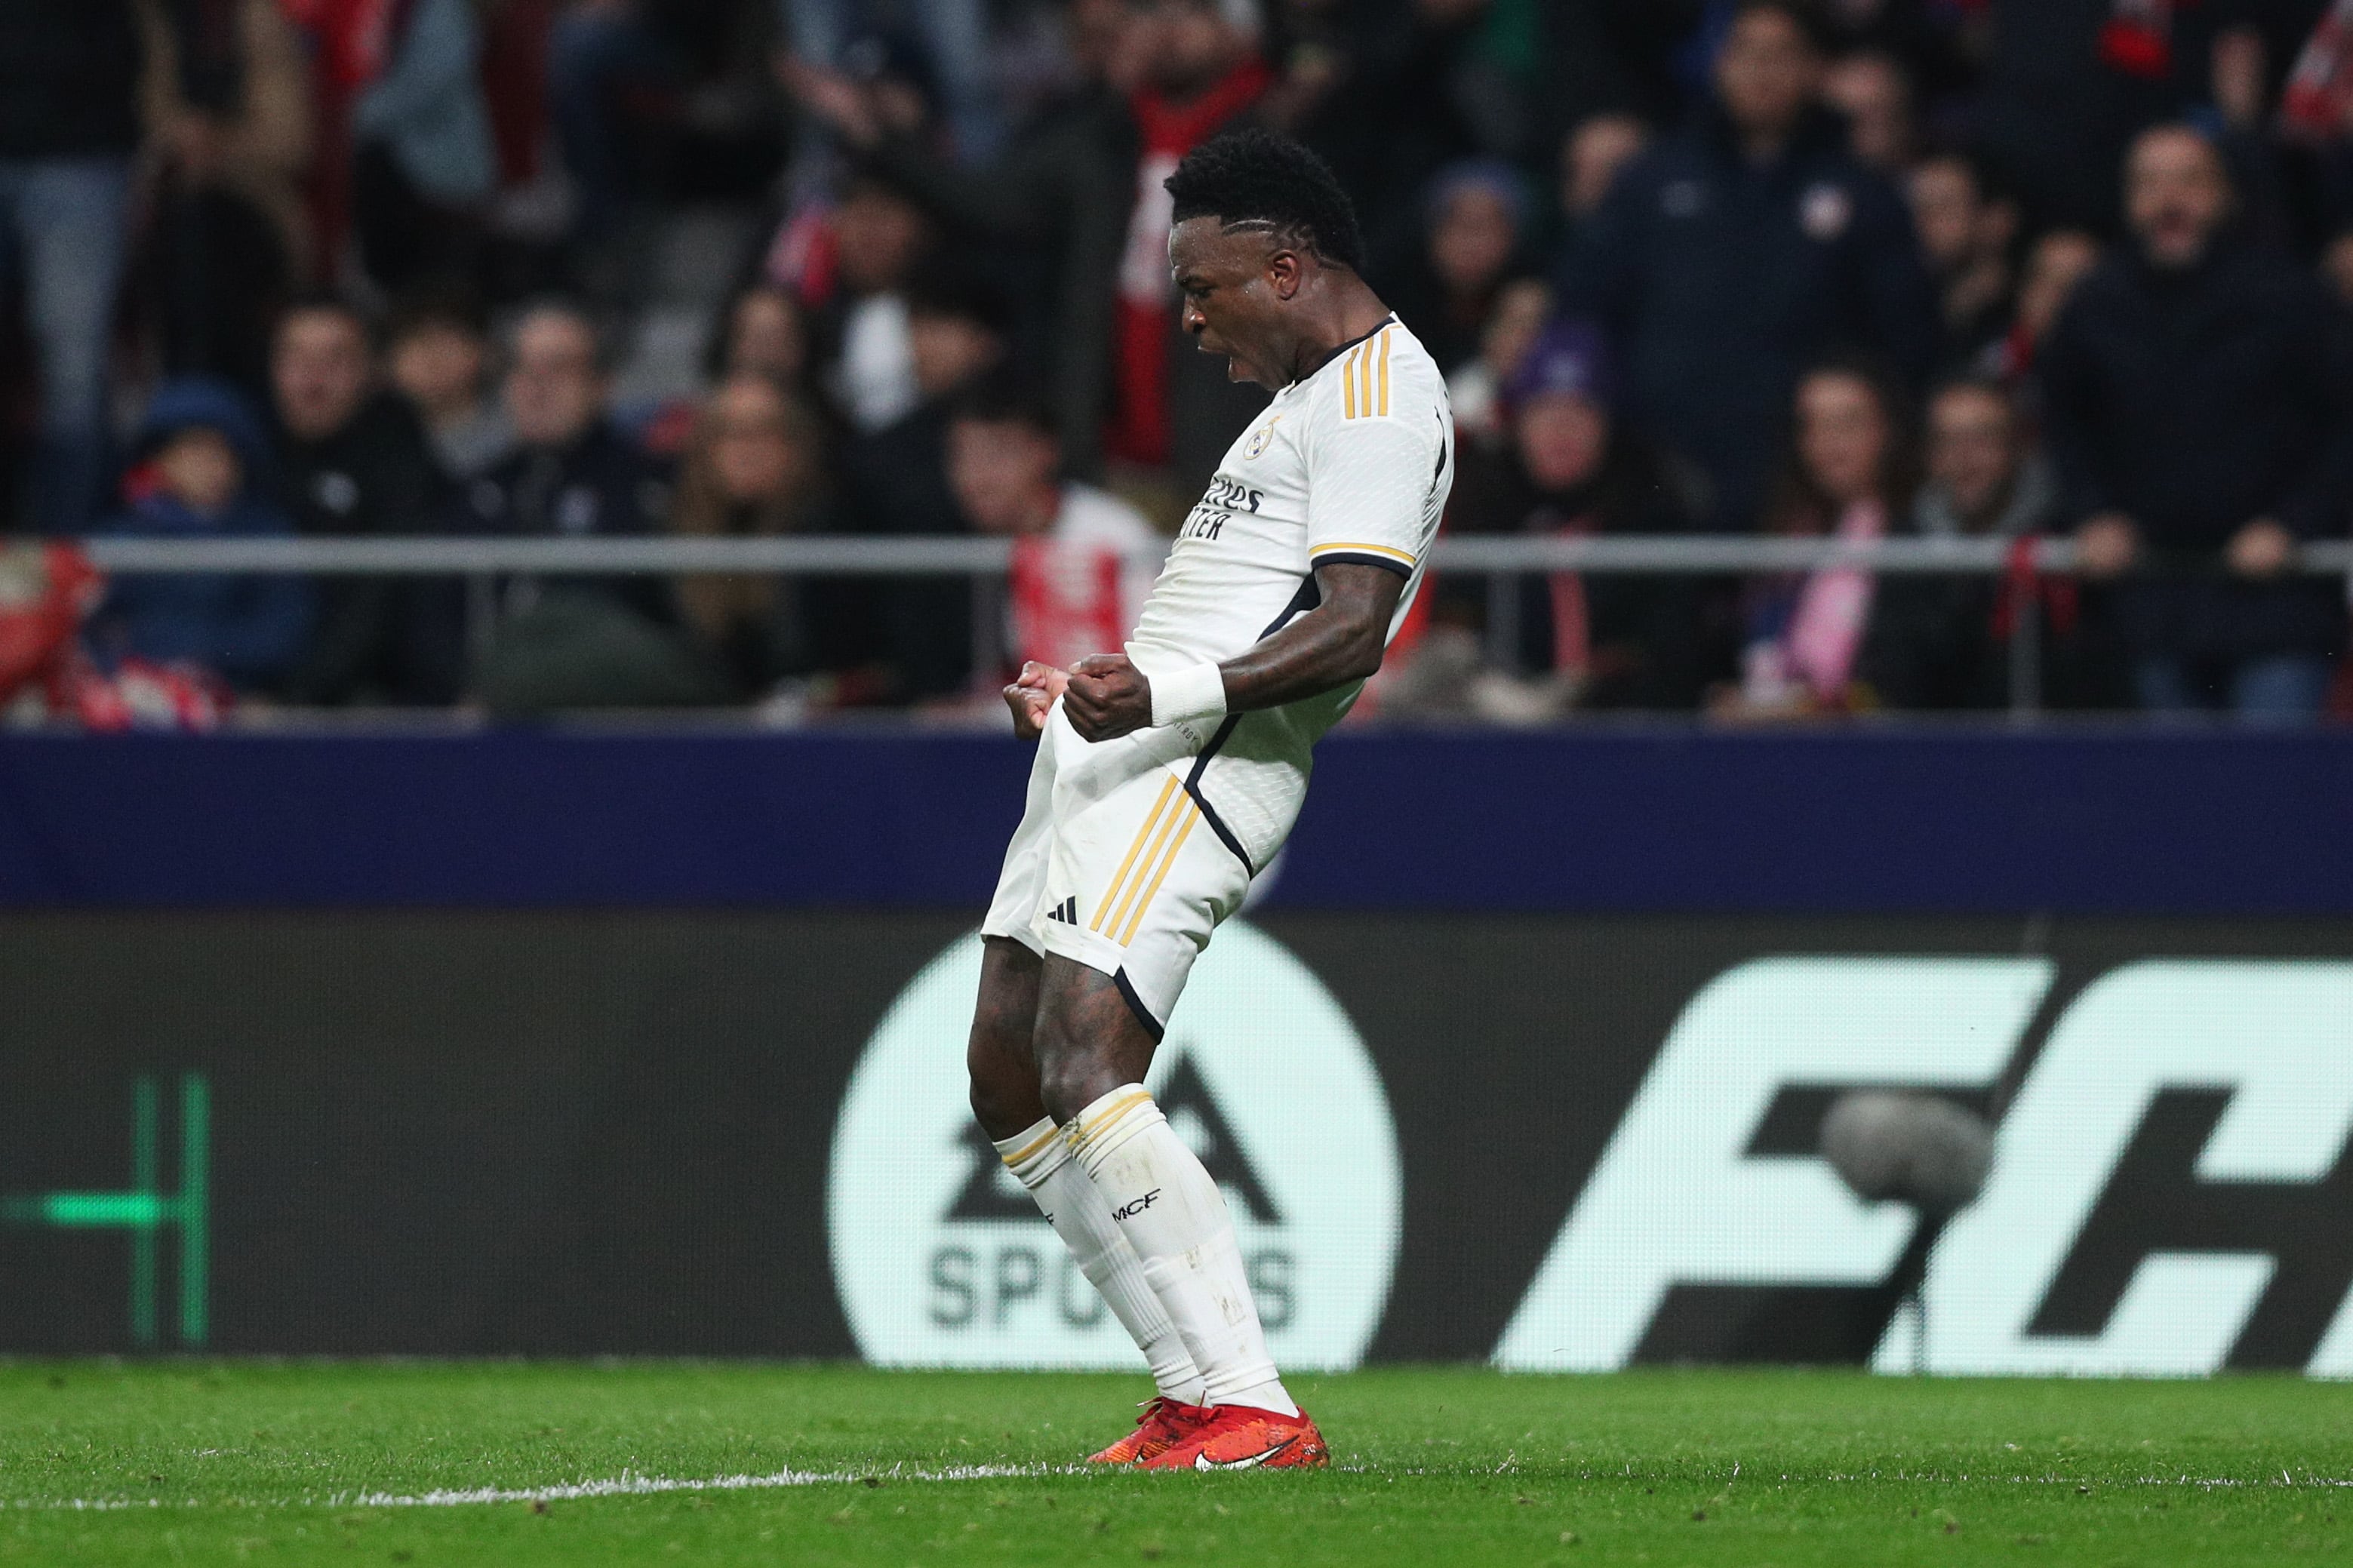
197, 1462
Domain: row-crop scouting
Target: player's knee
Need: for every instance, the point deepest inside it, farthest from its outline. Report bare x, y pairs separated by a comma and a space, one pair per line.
1071, 1080
1003, 1077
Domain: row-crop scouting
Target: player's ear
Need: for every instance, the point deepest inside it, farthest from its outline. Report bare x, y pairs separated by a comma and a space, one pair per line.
1285, 272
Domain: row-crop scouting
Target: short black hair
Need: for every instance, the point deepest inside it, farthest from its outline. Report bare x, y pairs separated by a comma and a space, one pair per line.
941, 288
444, 305
1257, 178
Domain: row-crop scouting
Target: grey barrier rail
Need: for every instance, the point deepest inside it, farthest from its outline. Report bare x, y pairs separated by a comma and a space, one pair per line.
1499, 558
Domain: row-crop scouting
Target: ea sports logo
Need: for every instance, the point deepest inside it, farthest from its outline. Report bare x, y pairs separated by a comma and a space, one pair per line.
942, 1260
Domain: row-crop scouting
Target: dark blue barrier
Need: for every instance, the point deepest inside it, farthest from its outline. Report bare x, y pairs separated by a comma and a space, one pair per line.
2094, 821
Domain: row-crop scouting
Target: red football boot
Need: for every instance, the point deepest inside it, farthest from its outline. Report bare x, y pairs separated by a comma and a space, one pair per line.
1164, 1422
1237, 1437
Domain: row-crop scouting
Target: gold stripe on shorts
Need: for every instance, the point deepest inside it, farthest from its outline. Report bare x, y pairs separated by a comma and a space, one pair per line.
1192, 820
1103, 907
1151, 857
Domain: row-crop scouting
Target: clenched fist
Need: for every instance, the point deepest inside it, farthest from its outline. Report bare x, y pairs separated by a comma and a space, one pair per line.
1032, 695
1108, 697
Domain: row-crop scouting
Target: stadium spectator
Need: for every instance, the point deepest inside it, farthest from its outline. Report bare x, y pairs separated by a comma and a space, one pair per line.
762, 331
227, 237
1871, 89
1968, 232
1570, 640
69, 128
2065, 86
573, 642
1476, 388
1727, 258
1849, 476
201, 469
351, 459
951, 64
868, 359
1477, 217
438, 353
424, 161
1592, 156
1390, 94
1984, 476
1083, 559
1082, 188
2199, 403
1938, 642
1058, 197
753, 468
918, 634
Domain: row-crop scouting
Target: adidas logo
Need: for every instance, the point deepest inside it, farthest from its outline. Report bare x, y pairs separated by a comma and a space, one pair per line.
1067, 911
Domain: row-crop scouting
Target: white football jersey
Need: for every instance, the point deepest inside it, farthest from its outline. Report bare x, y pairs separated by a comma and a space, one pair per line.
1353, 463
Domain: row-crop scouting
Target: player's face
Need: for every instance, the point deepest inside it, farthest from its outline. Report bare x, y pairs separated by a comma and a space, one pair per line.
1234, 283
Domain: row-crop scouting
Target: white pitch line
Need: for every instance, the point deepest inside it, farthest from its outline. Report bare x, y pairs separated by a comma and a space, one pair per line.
629, 1484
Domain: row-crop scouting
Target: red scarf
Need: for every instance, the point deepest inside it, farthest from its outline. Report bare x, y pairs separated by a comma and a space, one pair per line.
1169, 130
2139, 37
2319, 98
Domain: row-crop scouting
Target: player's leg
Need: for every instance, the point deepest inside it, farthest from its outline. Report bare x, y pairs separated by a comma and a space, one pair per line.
1003, 1066
1093, 1048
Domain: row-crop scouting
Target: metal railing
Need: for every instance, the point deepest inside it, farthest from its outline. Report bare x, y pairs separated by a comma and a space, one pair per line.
1498, 557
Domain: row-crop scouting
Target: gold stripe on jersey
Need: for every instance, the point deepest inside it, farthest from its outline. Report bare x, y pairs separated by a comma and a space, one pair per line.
1192, 820
1348, 385
1385, 373
1394, 554
1118, 911
1134, 849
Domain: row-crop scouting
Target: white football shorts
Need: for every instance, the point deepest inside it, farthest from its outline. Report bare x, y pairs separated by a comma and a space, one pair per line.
1120, 863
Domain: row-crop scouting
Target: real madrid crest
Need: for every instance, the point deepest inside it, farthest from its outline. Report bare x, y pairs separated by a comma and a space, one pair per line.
1261, 437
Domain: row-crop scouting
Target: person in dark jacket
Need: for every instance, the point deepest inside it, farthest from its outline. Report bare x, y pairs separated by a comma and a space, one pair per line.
353, 460
1728, 258
70, 74
917, 642
1597, 640
1081, 192
2197, 399
574, 641
1937, 642
203, 472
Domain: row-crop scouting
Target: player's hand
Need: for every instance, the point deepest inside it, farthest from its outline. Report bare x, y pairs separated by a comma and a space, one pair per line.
1108, 697
2262, 549
1032, 695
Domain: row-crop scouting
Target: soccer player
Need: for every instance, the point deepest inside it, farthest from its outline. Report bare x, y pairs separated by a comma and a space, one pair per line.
1169, 774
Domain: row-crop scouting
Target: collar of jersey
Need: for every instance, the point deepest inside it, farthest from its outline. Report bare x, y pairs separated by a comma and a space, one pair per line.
1387, 321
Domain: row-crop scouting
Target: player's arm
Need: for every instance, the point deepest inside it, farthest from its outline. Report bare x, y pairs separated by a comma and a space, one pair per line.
1340, 640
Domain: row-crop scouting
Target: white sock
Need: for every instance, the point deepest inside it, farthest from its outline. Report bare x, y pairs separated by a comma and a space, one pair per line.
1170, 1210
1040, 1161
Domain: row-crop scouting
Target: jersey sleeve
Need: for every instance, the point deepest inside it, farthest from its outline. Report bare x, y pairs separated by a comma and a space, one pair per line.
1378, 452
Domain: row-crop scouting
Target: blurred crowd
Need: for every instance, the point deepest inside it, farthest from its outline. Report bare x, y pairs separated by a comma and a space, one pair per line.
1864, 269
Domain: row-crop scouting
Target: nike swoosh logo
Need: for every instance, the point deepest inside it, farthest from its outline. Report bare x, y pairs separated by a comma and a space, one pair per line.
1203, 1461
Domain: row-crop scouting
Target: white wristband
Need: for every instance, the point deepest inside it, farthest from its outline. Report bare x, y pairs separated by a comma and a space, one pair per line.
1183, 696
